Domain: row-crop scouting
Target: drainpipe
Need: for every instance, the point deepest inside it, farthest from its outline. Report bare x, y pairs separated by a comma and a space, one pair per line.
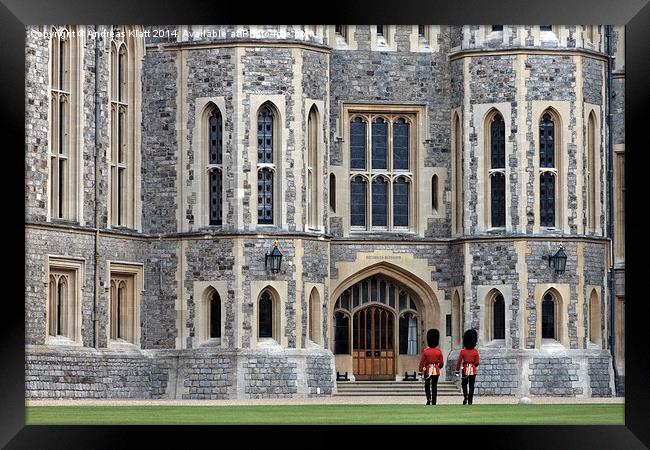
97, 172
610, 202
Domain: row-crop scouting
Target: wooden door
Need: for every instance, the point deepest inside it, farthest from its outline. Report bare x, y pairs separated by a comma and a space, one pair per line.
373, 339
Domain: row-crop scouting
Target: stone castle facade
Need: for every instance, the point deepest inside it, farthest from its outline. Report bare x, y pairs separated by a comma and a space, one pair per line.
413, 177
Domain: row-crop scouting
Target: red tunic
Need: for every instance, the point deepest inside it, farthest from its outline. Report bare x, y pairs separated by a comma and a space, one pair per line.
431, 355
468, 356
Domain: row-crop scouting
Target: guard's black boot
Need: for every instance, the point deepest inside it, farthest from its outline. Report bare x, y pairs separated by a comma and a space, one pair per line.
428, 402
464, 400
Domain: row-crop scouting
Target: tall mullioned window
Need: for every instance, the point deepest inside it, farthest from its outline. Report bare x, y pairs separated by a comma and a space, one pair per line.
123, 156
497, 172
63, 152
215, 168
381, 177
548, 171
265, 164
120, 148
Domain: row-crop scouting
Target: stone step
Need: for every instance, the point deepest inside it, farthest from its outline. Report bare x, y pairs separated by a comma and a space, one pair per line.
392, 388
395, 394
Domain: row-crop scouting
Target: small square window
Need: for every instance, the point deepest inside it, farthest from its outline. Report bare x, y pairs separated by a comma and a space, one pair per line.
497, 27
545, 28
380, 30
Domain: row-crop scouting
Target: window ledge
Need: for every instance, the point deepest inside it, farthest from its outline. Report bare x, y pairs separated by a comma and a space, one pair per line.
120, 344
552, 345
267, 343
496, 343
211, 342
62, 341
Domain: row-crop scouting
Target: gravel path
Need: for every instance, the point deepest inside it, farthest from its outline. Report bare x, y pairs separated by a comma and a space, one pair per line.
442, 400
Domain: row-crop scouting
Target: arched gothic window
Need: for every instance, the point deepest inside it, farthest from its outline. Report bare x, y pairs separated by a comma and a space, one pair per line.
313, 169
314, 316
332, 192
215, 168
434, 193
341, 334
358, 188
59, 290
498, 318
215, 315
408, 334
380, 202
401, 202
265, 313
548, 317
497, 172
265, 165
548, 172
401, 144
592, 173
594, 318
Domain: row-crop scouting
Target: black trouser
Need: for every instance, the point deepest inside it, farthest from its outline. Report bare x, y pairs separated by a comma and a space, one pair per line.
429, 383
465, 380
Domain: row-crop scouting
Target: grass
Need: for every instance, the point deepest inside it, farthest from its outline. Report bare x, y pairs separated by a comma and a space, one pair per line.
556, 414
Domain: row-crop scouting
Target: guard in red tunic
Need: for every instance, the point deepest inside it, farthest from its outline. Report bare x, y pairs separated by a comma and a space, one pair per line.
470, 360
430, 365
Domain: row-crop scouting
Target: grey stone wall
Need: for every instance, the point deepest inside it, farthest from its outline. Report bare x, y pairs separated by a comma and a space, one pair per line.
40, 243
592, 80
552, 77
253, 269
396, 77
69, 373
492, 79
569, 373
36, 124
618, 111
540, 272
159, 142
495, 263
210, 73
554, 377
210, 260
599, 376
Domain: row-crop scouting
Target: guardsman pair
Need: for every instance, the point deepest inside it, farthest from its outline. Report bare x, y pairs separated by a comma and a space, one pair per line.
432, 362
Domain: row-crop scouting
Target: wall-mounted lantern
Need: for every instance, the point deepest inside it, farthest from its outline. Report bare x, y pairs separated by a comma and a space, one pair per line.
274, 257
558, 260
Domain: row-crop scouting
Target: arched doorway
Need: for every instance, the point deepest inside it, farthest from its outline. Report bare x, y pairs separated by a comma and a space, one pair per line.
385, 320
373, 349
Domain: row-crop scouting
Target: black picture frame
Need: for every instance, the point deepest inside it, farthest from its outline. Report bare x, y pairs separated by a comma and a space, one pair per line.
15, 14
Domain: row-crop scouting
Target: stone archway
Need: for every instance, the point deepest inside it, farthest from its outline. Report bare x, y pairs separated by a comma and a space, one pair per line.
388, 310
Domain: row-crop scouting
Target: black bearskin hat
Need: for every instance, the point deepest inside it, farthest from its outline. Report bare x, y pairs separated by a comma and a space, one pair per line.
433, 338
470, 338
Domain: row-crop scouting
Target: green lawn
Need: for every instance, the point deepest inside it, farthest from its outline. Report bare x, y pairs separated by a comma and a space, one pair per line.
558, 414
